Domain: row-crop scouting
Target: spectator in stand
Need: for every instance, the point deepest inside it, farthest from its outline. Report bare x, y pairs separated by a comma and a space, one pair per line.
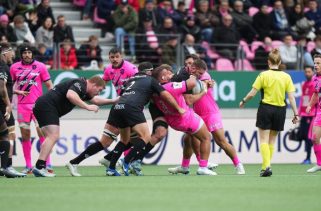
126, 22
167, 28
280, 22
317, 49
32, 20
223, 9
45, 34
44, 10
133, 3
262, 23
262, 53
182, 12
190, 48
26, 5
147, 48
304, 57
246, 4
22, 31
149, 11
68, 57
206, 19
44, 55
104, 10
7, 30
165, 9
244, 22
89, 52
289, 53
62, 31
227, 35
169, 52
190, 27
314, 14
8, 7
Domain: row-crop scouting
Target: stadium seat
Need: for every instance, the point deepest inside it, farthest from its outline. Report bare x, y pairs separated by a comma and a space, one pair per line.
79, 3
249, 54
255, 45
253, 11
247, 66
223, 64
210, 52
97, 19
310, 46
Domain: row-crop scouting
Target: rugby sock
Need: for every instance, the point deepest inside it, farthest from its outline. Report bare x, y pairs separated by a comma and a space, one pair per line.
26, 147
235, 161
126, 152
203, 163
135, 151
116, 153
317, 151
198, 157
41, 164
48, 161
185, 163
308, 147
91, 150
108, 156
271, 146
4, 153
9, 162
145, 151
265, 153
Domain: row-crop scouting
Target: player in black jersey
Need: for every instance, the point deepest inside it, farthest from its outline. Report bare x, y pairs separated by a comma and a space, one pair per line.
6, 117
60, 101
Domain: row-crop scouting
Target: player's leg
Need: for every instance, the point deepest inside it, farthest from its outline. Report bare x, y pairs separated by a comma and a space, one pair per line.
265, 152
52, 134
316, 146
41, 140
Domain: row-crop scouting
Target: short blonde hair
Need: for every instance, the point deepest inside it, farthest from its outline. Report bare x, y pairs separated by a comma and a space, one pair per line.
97, 80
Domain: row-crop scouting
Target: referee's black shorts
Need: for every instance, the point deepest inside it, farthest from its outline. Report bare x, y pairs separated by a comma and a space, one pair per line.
10, 122
154, 111
270, 117
45, 113
124, 115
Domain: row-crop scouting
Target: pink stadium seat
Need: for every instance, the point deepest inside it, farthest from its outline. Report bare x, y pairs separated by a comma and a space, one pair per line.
223, 64
270, 9
276, 43
255, 45
79, 3
249, 54
210, 52
310, 46
98, 19
247, 66
253, 11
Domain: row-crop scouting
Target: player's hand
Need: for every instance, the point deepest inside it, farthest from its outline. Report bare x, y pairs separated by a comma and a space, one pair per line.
295, 119
93, 108
205, 83
308, 109
181, 111
115, 100
242, 104
210, 83
8, 112
24, 93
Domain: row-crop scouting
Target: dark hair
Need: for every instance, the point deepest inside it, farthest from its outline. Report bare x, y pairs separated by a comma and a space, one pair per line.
317, 56
4, 46
193, 56
26, 47
308, 66
157, 71
145, 66
114, 51
199, 63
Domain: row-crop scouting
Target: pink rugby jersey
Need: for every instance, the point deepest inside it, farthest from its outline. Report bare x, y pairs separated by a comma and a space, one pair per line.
206, 104
29, 77
120, 75
317, 85
308, 88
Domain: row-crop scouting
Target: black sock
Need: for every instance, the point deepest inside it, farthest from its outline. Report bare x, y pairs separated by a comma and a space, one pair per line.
41, 164
91, 150
145, 151
9, 162
308, 147
135, 151
4, 151
109, 155
116, 153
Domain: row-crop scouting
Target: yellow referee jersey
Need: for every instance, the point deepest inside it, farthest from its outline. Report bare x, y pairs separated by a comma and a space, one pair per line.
273, 85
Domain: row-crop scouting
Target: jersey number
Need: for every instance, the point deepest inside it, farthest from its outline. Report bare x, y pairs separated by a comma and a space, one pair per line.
130, 85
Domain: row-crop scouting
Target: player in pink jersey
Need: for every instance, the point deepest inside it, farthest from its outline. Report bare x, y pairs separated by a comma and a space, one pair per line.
28, 76
190, 122
316, 131
206, 107
307, 119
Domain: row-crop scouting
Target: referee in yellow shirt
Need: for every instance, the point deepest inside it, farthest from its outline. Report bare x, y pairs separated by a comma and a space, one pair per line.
273, 84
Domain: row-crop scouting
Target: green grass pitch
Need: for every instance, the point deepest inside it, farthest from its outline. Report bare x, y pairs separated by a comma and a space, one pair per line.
290, 188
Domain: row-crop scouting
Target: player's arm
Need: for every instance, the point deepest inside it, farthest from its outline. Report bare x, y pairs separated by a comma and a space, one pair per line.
103, 101
5, 98
49, 84
74, 98
312, 102
248, 97
165, 95
293, 106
